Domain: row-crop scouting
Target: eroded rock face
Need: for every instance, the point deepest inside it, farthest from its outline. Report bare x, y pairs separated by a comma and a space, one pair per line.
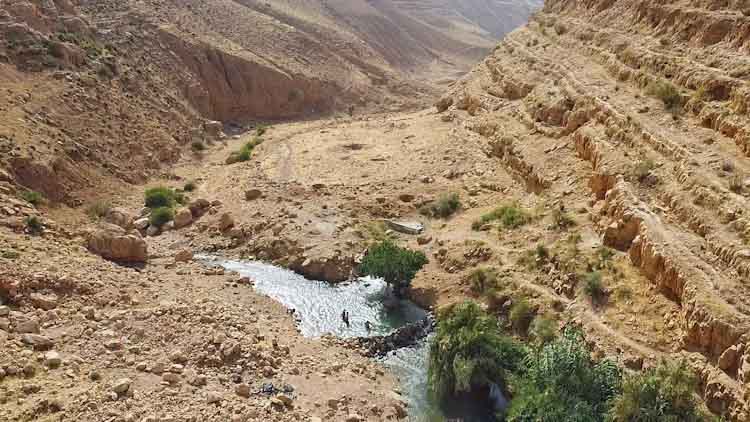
114, 243
333, 269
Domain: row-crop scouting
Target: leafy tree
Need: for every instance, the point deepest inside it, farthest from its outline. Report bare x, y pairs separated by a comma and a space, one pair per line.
661, 394
469, 352
396, 265
563, 383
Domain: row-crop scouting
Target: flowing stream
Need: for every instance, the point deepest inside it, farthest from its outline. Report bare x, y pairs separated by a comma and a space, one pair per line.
318, 306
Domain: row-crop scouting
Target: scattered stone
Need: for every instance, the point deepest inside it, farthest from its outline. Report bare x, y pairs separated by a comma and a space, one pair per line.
52, 359
141, 223
184, 255
423, 240
46, 302
242, 390
121, 386
213, 397
226, 221
354, 417
153, 231
30, 325
37, 341
285, 399
171, 378
253, 194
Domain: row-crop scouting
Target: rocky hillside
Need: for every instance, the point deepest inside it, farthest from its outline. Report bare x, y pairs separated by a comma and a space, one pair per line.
635, 114
110, 91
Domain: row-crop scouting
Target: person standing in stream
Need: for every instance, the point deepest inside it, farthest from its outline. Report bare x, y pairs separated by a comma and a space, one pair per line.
345, 317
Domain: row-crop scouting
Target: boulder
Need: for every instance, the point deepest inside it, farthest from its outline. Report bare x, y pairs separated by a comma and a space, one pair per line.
182, 218
141, 224
185, 255
52, 359
114, 243
119, 217
153, 231
199, 207
37, 341
121, 386
46, 302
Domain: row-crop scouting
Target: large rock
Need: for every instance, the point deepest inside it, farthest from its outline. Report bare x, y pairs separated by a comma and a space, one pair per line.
113, 242
214, 130
199, 207
182, 218
119, 217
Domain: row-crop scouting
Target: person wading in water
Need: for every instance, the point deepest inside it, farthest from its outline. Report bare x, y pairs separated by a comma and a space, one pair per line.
345, 317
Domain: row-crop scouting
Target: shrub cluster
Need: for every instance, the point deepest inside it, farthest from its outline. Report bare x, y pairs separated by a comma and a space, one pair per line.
245, 152
557, 379
510, 216
443, 207
98, 209
162, 201
483, 280
32, 197
667, 93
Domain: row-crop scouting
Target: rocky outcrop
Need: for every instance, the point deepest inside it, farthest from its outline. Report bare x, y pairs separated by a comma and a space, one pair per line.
405, 336
114, 243
335, 269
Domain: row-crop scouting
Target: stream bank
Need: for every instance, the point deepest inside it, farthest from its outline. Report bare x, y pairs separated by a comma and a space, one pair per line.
318, 307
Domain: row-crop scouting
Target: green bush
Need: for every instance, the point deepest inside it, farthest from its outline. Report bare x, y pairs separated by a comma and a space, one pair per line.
469, 352
510, 216
483, 280
244, 153
161, 216
562, 221
664, 393
190, 187
667, 93
594, 288
32, 197
444, 207
521, 315
261, 130
396, 265
98, 209
197, 146
643, 169
535, 258
562, 383
160, 196
34, 224
9, 254
543, 330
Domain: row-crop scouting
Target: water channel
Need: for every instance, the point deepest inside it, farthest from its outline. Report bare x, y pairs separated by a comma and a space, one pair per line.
318, 306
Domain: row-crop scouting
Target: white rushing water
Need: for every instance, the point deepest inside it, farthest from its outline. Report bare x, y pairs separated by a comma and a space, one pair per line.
318, 306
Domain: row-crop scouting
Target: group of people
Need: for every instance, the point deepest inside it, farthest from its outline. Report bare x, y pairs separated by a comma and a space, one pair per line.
345, 318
